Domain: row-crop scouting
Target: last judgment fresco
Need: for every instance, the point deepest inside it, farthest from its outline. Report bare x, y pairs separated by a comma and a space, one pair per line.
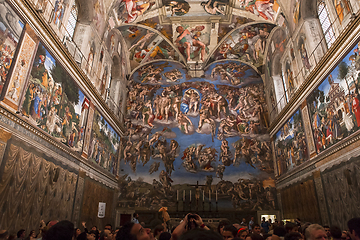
211, 130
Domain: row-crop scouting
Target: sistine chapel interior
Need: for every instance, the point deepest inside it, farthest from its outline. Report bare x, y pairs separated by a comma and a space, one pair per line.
228, 108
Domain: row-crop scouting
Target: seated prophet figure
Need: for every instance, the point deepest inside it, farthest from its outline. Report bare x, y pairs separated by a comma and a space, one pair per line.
185, 39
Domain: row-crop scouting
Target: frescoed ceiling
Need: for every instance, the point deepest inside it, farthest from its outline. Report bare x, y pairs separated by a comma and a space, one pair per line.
196, 109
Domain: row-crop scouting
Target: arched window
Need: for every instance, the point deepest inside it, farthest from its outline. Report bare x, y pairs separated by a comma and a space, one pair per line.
325, 22
70, 28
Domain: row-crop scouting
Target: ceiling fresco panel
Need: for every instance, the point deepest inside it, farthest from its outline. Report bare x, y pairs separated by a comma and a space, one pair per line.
247, 43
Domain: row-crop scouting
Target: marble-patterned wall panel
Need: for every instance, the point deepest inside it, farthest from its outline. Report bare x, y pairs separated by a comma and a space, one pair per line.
32, 188
10, 30
334, 106
54, 102
94, 193
342, 191
299, 201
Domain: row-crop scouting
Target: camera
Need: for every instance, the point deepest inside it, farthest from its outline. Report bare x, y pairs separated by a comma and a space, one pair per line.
191, 221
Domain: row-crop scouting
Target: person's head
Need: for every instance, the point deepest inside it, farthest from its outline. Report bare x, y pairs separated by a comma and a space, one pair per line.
229, 232
263, 219
315, 232
4, 234
293, 236
158, 230
82, 236
179, 29
165, 236
21, 233
354, 228
279, 231
32, 234
106, 235
242, 233
63, 230
92, 235
94, 228
222, 224
254, 237
77, 232
243, 220
256, 229
133, 231
327, 230
335, 232
291, 227
108, 227
135, 215
200, 234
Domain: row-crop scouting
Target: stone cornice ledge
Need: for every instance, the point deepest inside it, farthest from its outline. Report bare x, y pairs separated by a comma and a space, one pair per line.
95, 172
307, 168
58, 49
329, 61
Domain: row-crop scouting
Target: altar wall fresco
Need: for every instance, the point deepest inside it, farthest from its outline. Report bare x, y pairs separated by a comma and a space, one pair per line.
182, 130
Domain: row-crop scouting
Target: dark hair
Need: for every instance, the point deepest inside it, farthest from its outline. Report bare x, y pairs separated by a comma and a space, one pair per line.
290, 226
326, 226
96, 233
201, 234
158, 229
82, 236
354, 224
335, 232
108, 225
124, 232
293, 236
231, 229
20, 232
4, 235
255, 236
255, 225
280, 231
63, 230
223, 223
165, 236
134, 215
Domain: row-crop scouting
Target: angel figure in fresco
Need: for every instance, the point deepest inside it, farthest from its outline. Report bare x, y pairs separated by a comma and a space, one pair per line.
190, 38
142, 41
213, 7
263, 8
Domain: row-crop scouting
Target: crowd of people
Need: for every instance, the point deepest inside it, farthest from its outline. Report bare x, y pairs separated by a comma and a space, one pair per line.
192, 227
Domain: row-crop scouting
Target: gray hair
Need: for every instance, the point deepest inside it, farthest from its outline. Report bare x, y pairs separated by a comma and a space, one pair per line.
310, 229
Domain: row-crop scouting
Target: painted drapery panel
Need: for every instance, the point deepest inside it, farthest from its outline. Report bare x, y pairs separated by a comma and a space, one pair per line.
33, 189
10, 30
290, 144
54, 102
183, 130
334, 106
104, 144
